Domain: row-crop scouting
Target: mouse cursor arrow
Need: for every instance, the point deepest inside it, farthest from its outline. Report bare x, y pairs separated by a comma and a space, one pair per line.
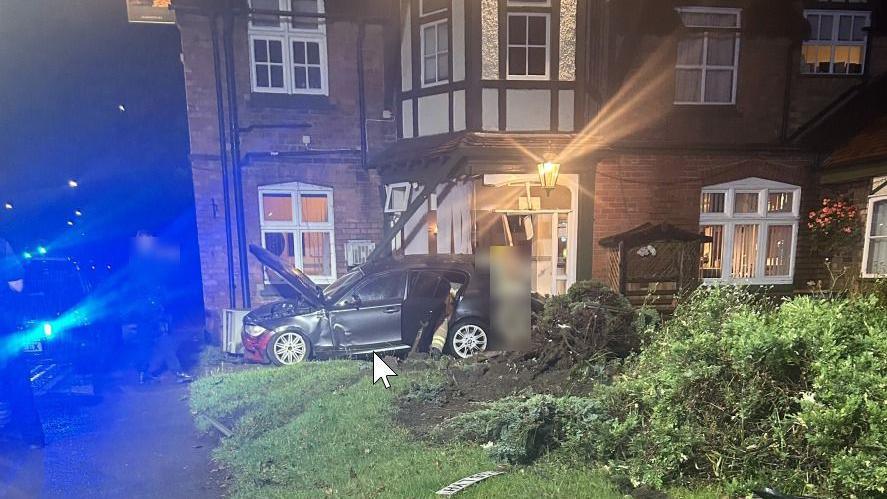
381, 371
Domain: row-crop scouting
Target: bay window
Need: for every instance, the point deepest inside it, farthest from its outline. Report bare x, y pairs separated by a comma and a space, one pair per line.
297, 226
875, 246
288, 54
753, 226
708, 56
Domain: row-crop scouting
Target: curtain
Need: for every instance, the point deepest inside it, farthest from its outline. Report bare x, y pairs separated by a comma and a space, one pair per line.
314, 208
779, 247
745, 251
316, 254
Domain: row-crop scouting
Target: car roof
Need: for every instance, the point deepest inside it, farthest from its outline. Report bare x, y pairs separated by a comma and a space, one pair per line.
412, 262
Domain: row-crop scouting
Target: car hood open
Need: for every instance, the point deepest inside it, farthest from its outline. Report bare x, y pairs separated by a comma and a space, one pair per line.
291, 275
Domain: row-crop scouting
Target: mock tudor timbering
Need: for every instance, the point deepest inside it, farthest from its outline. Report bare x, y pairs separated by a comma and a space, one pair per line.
347, 111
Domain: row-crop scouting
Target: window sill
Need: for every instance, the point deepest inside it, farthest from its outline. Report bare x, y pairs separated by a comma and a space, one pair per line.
706, 109
748, 282
289, 101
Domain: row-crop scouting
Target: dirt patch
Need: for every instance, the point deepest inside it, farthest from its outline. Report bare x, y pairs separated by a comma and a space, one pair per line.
471, 382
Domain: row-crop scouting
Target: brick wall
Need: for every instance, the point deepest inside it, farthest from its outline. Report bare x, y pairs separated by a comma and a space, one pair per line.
334, 159
633, 189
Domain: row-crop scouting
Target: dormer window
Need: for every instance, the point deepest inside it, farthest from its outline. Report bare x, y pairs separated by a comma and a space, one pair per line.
288, 54
837, 42
708, 56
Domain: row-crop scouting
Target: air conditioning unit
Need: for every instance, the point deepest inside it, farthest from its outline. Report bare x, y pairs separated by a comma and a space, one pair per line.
232, 326
356, 252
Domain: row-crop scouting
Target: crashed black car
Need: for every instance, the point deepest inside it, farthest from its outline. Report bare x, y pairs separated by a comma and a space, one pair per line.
387, 305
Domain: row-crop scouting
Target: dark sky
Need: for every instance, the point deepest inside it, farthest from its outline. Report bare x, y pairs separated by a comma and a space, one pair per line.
65, 67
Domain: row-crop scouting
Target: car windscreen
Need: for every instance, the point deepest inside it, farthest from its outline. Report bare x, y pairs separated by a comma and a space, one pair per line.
50, 289
342, 283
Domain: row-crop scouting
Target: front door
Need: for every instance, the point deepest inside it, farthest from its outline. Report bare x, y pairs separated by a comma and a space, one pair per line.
548, 235
369, 317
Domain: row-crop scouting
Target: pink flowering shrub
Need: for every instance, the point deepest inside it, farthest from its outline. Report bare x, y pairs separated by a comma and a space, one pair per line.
834, 224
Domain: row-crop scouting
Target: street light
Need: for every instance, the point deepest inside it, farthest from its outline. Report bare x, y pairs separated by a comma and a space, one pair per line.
8, 205
78, 213
70, 223
73, 184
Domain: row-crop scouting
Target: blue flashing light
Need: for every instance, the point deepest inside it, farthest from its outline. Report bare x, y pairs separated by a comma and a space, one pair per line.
47, 329
41, 250
27, 255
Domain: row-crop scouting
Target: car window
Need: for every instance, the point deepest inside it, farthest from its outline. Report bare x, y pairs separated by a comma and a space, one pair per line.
424, 284
381, 289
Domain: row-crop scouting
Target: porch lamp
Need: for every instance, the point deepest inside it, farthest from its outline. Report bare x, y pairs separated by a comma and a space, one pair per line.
548, 172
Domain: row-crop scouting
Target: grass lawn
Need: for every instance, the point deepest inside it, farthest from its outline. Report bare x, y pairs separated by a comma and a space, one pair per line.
322, 429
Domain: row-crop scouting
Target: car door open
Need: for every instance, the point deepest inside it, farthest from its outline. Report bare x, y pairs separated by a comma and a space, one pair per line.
369, 316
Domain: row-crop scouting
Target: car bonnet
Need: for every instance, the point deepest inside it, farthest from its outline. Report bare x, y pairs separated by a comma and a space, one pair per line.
293, 276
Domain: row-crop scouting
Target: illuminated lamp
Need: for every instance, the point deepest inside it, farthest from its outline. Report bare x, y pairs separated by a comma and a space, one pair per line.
548, 173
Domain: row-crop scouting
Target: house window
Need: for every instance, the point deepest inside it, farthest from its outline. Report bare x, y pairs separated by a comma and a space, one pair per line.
397, 197
875, 247
435, 53
837, 42
753, 226
528, 40
428, 7
708, 56
288, 55
297, 226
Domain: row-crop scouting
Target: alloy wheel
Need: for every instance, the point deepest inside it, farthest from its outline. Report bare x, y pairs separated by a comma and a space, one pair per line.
290, 348
469, 340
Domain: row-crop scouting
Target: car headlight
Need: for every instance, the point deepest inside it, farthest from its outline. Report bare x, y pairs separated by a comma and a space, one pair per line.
254, 330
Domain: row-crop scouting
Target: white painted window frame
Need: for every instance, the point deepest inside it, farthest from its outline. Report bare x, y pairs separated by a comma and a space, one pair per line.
389, 188
833, 43
437, 54
704, 66
729, 220
287, 34
296, 226
524, 3
868, 237
527, 46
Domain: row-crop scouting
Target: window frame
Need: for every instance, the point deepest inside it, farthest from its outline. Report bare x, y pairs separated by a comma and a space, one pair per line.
297, 227
762, 218
867, 237
389, 190
422, 12
526, 46
834, 42
703, 67
437, 54
287, 34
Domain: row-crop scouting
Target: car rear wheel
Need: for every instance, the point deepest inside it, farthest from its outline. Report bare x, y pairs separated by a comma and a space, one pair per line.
469, 338
288, 347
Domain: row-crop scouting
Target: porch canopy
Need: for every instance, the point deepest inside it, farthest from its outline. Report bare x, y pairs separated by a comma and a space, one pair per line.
654, 264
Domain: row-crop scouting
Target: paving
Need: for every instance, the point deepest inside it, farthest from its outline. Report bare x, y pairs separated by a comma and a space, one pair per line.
110, 437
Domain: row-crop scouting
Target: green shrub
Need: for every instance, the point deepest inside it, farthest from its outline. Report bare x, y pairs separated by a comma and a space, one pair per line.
734, 390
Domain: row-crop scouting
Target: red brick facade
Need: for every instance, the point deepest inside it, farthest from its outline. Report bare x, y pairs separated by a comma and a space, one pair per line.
332, 159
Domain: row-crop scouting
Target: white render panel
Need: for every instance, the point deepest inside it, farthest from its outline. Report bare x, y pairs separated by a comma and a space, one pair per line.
434, 114
490, 108
406, 118
527, 110
565, 111
458, 40
458, 110
406, 57
454, 218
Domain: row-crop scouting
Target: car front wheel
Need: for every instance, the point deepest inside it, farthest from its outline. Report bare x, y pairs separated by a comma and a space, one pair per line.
469, 338
288, 347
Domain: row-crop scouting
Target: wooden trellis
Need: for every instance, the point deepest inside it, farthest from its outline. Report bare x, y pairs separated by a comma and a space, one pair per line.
654, 264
